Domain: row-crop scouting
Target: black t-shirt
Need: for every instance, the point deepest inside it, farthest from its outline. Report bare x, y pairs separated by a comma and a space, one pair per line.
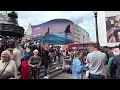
35, 60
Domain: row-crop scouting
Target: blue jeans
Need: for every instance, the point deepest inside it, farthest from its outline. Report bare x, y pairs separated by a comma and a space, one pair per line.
94, 76
46, 71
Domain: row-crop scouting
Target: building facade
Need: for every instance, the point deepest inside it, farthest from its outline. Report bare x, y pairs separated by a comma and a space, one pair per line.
28, 32
80, 35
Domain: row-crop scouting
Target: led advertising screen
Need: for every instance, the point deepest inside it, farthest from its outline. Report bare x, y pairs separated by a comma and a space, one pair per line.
113, 29
57, 31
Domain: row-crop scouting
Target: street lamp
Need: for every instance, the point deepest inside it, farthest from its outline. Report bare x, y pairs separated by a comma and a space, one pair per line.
42, 38
96, 25
83, 38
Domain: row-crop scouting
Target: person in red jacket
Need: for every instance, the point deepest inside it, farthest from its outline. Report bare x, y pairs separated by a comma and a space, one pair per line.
25, 69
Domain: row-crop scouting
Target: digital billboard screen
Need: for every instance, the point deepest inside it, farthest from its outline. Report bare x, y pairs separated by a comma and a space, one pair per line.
113, 29
54, 32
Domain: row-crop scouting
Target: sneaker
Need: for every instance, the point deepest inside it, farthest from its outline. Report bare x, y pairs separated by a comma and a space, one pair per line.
46, 77
56, 68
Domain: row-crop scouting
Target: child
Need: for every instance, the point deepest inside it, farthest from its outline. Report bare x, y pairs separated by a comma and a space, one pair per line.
25, 69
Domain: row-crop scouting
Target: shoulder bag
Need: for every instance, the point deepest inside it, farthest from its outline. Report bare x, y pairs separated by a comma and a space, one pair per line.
7, 75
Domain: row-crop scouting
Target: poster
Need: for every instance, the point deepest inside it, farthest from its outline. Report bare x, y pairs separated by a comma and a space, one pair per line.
113, 29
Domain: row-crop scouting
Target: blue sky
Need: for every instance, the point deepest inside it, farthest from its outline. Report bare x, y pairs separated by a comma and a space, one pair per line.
84, 19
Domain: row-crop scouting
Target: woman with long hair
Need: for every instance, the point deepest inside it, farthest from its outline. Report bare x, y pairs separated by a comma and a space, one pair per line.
78, 66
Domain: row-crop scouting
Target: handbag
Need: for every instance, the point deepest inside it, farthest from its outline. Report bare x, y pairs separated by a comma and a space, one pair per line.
6, 75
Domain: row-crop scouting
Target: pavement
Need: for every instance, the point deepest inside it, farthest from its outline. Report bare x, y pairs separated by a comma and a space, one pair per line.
66, 76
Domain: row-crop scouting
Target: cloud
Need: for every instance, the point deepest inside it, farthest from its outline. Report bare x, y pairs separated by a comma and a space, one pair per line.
77, 20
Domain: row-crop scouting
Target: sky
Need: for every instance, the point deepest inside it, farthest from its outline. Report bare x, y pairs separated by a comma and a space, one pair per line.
84, 19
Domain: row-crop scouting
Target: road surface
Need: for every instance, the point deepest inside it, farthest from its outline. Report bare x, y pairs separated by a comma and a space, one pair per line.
66, 76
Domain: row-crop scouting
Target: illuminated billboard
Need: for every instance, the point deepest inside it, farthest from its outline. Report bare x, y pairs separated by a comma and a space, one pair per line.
113, 28
57, 31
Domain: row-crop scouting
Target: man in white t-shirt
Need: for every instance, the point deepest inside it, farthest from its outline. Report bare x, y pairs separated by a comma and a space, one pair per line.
96, 60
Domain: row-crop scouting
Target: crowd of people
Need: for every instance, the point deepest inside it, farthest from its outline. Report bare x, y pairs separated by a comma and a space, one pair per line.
24, 59
100, 63
29, 56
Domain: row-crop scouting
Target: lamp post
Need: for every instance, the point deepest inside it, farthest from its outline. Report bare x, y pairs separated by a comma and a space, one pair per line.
83, 38
42, 38
96, 25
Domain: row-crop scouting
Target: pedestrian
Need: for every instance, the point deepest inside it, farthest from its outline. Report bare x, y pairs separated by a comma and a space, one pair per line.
35, 62
78, 66
8, 67
112, 54
58, 58
46, 60
25, 69
15, 53
18, 46
115, 67
96, 60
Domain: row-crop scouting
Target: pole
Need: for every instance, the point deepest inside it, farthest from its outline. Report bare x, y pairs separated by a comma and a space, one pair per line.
97, 38
42, 48
42, 41
83, 38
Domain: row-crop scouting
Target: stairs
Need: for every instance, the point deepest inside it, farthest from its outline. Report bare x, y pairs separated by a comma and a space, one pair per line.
52, 71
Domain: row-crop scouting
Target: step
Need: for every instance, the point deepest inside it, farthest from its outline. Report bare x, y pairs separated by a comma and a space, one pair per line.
50, 65
50, 72
50, 68
54, 74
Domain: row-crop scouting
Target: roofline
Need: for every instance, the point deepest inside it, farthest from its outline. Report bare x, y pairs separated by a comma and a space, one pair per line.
55, 19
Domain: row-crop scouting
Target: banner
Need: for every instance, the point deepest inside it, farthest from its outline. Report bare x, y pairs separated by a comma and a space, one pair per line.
113, 29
